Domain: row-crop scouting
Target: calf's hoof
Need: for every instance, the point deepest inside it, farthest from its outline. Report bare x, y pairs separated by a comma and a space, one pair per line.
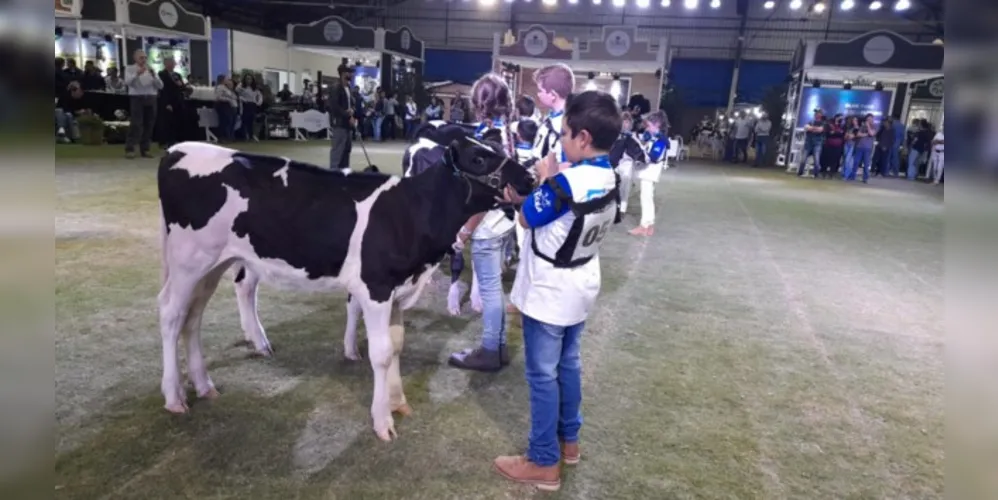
403, 409
386, 430
209, 394
352, 355
266, 351
177, 408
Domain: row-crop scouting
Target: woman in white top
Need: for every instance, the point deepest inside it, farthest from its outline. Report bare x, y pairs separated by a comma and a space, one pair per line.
491, 102
251, 99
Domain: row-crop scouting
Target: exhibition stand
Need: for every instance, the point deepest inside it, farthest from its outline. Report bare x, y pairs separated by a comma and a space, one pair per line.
865, 75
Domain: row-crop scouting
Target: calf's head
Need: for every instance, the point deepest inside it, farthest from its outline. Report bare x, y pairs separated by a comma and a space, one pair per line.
487, 170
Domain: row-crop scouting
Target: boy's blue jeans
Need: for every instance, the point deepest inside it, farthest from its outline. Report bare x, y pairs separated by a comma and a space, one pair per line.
554, 374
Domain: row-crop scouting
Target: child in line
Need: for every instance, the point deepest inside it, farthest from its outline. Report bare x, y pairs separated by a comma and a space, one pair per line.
557, 282
526, 134
491, 103
554, 85
626, 151
656, 143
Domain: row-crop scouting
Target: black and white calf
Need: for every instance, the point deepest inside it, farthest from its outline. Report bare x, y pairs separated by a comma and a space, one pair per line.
303, 227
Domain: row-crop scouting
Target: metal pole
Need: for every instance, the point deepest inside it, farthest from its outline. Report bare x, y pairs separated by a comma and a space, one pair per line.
80, 60
739, 51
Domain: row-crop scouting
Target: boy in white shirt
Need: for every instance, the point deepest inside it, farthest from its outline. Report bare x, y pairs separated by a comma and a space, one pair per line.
554, 84
558, 280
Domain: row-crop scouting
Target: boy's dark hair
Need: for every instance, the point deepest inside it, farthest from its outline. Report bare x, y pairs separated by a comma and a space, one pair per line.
525, 106
596, 112
526, 130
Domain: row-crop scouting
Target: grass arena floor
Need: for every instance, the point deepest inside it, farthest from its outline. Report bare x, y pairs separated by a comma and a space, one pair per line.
776, 338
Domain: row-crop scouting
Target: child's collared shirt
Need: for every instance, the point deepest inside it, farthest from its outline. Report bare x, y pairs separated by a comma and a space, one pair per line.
554, 295
548, 138
656, 145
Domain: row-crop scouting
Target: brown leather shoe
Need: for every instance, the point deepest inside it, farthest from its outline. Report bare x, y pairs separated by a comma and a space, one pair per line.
522, 470
570, 453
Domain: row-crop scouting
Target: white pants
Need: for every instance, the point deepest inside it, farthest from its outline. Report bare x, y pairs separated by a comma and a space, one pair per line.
520, 233
647, 203
626, 172
936, 161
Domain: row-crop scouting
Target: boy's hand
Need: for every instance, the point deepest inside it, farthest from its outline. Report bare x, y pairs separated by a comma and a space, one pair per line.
509, 195
548, 167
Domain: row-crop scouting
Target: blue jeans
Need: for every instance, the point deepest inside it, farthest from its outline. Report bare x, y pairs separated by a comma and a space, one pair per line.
810, 149
860, 157
894, 161
554, 374
760, 149
248, 121
378, 121
913, 156
67, 122
847, 158
486, 257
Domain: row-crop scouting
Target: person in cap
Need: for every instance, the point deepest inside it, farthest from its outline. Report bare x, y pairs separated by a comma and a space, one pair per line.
815, 136
341, 120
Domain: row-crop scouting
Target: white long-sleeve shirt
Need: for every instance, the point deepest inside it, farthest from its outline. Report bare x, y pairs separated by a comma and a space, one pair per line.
146, 83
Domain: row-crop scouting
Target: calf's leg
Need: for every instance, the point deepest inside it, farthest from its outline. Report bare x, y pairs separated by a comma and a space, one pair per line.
354, 311
196, 369
174, 305
246, 284
379, 350
396, 394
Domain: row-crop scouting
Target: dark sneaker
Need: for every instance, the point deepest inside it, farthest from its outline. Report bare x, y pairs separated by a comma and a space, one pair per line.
477, 359
145, 154
522, 470
130, 155
504, 358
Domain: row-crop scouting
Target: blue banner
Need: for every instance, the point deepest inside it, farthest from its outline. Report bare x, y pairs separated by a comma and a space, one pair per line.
846, 102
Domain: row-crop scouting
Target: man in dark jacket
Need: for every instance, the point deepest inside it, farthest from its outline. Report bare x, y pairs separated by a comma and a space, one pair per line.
341, 120
885, 143
171, 105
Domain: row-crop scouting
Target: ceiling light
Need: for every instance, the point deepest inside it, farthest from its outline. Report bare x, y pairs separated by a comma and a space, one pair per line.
690, 4
715, 4
876, 5
769, 4
848, 4
902, 5
643, 3
666, 3
487, 3
597, 2
819, 7
618, 3
795, 4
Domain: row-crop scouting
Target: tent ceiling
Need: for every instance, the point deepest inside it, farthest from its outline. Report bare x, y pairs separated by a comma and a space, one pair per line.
866, 74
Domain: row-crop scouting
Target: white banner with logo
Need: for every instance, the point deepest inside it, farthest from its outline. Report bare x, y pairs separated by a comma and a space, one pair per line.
311, 121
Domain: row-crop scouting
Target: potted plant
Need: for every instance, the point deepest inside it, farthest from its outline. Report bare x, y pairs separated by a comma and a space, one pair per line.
91, 129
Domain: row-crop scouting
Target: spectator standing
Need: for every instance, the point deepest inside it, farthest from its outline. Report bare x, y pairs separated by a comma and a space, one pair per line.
814, 139
831, 152
284, 94
743, 129
341, 109
435, 110
72, 72
411, 116
171, 102
390, 125
762, 129
142, 89
863, 154
379, 114
894, 154
936, 162
226, 103
849, 146
250, 98
92, 79
885, 144
113, 83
